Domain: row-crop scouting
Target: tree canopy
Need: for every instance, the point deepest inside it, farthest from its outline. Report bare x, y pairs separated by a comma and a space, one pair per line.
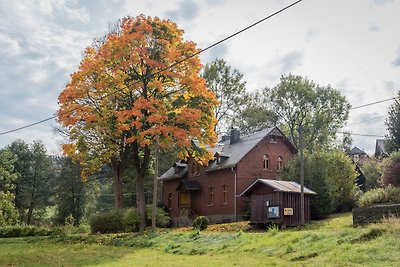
139, 83
230, 90
8, 212
320, 110
393, 126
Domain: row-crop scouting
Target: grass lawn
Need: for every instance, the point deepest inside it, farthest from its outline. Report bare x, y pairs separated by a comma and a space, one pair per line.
332, 242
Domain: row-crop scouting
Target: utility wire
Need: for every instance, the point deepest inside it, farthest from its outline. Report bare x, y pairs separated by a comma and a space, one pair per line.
373, 103
366, 135
168, 67
371, 119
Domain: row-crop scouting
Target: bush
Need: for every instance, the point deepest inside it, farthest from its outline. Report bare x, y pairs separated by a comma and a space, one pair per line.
131, 220
23, 231
200, 223
125, 220
162, 218
107, 222
388, 194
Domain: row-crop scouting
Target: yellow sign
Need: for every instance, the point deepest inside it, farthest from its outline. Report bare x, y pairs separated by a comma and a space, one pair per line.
288, 211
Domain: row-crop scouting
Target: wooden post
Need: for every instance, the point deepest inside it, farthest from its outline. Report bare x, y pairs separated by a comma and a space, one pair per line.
155, 182
301, 148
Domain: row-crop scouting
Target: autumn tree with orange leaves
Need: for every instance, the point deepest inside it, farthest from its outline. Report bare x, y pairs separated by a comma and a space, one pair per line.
122, 98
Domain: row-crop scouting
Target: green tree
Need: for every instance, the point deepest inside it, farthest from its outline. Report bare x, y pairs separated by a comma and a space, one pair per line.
331, 175
256, 113
320, 110
32, 187
8, 212
230, 90
391, 169
372, 173
69, 192
393, 126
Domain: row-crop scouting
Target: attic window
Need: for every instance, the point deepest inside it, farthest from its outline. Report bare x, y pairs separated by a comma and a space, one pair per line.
266, 162
218, 159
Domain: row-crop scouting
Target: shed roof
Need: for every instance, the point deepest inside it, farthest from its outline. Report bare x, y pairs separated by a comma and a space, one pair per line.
278, 186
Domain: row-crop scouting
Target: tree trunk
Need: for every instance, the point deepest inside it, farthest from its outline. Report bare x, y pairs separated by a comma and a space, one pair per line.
141, 202
117, 170
30, 212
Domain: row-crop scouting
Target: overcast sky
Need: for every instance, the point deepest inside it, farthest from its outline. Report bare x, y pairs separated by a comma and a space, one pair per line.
352, 45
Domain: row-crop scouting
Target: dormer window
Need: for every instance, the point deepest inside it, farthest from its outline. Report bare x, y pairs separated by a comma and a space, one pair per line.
218, 159
266, 162
280, 163
195, 169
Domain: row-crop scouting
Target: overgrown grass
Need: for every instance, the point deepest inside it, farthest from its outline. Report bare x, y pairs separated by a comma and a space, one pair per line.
332, 242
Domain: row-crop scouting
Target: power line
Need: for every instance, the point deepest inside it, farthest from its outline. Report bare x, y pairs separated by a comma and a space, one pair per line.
168, 67
371, 119
373, 103
366, 135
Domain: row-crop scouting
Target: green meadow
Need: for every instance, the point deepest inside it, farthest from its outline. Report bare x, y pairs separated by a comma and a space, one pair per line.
331, 242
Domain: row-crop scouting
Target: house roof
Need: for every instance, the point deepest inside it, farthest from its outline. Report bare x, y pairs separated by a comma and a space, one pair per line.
356, 151
178, 170
278, 186
230, 154
380, 147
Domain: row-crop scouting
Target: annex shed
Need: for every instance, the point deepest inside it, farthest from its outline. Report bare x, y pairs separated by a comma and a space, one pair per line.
278, 202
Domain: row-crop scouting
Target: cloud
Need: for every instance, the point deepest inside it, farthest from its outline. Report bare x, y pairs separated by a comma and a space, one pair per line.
187, 10
396, 61
219, 51
290, 61
215, 2
382, 2
373, 28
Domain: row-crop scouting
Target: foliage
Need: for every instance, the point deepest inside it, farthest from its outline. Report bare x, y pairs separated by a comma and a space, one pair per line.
32, 187
120, 220
332, 175
8, 212
28, 230
391, 169
372, 173
389, 194
230, 91
107, 222
256, 114
123, 97
200, 223
392, 139
72, 196
320, 110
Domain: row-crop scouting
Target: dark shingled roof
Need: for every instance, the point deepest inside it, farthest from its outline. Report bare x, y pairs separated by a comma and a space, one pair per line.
278, 186
178, 170
230, 154
356, 151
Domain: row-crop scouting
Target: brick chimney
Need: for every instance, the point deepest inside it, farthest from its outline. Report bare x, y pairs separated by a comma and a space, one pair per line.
235, 135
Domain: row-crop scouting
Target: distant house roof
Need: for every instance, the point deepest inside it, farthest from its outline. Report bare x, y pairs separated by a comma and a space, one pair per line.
357, 151
230, 154
380, 148
278, 186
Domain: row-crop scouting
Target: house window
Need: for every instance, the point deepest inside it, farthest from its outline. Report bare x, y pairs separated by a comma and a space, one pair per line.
225, 195
195, 169
266, 162
280, 163
169, 205
211, 196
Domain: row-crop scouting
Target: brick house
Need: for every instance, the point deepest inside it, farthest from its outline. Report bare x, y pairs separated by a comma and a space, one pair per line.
190, 190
